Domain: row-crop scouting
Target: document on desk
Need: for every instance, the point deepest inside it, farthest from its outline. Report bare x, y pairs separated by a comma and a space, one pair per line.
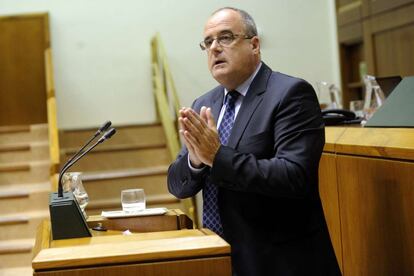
145, 212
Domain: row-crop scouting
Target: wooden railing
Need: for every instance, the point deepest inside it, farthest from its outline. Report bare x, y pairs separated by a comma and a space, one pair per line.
52, 120
168, 105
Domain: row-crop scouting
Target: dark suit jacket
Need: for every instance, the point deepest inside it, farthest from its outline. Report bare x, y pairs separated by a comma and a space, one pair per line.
267, 178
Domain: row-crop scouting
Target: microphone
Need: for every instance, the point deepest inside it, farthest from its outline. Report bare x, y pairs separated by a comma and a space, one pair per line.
107, 135
103, 128
66, 217
80, 154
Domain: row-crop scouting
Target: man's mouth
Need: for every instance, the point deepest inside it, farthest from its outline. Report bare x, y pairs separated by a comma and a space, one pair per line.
218, 62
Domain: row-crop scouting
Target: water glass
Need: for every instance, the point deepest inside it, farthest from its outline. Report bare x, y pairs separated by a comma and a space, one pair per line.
357, 107
328, 95
72, 182
133, 200
374, 96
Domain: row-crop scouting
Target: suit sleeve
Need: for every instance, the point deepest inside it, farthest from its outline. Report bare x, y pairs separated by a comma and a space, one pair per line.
182, 182
298, 139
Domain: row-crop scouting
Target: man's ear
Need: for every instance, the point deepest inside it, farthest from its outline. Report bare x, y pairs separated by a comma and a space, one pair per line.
255, 42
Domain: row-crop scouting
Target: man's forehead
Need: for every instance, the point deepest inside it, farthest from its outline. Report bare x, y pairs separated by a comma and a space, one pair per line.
223, 20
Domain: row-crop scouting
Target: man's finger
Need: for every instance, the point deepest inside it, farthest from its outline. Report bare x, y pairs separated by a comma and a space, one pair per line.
197, 119
190, 127
192, 153
182, 111
203, 113
187, 143
192, 140
181, 123
210, 119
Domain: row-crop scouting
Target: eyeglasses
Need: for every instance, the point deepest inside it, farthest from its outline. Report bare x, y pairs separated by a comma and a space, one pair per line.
222, 40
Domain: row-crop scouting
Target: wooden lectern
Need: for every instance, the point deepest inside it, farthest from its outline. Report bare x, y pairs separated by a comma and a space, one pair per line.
160, 245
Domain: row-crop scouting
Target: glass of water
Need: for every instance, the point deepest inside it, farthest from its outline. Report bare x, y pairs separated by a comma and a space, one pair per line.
72, 182
357, 107
133, 200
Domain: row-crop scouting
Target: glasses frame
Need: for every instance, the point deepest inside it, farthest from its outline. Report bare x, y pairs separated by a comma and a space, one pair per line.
235, 37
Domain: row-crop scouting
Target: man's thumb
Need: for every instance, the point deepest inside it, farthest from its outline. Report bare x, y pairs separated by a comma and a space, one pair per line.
210, 118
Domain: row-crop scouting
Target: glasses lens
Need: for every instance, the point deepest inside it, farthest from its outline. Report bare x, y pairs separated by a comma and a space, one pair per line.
225, 39
208, 42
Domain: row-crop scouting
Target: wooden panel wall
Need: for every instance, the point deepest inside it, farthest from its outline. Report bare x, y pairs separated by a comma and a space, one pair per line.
377, 35
366, 183
389, 42
218, 266
23, 40
394, 51
328, 191
353, 54
378, 6
376, 210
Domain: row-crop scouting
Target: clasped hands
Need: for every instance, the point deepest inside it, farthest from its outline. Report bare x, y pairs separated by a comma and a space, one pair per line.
200, 135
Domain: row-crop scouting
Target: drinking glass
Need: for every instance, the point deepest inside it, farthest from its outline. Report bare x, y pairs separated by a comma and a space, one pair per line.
328, 95
323, 94
72, 182
374, 96
133, 200
357, 107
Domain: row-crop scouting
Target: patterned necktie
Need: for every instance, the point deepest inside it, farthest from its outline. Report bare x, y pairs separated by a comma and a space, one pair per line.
211, 216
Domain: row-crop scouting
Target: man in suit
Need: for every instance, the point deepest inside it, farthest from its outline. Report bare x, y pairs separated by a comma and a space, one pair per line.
259, 169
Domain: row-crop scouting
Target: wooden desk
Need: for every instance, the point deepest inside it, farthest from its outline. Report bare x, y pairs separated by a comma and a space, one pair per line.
367, 190
174, 252
174, 219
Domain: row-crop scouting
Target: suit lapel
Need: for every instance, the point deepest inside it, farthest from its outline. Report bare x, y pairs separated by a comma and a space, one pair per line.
250, 103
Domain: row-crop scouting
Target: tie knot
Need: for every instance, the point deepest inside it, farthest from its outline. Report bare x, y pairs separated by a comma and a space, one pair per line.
232, 96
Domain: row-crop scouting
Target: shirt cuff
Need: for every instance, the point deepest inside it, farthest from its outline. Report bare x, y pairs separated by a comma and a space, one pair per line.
194, 170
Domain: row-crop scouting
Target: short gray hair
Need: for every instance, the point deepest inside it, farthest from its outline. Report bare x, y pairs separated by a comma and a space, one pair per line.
249, 25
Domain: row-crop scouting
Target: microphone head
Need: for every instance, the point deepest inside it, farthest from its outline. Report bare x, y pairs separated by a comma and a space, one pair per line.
107, 135
105, 126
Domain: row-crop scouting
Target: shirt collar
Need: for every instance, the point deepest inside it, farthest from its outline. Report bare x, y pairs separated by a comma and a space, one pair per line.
244, 87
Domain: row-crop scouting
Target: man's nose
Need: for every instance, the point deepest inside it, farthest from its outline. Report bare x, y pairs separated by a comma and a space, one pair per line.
215, 45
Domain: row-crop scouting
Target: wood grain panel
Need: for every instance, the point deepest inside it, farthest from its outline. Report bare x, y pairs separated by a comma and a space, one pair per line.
141, 135
217, 266
350, 13
111, 189
172, 220
378, 6
328, 192
122, 159
397, 143
23, 40
332, 134
384, 42
342, 3
351, 56
393, 19
134, 248
376, 207
350, 34
21, 225
12, 260
394, 51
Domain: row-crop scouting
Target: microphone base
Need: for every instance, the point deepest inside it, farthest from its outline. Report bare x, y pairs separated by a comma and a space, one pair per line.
66, 217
